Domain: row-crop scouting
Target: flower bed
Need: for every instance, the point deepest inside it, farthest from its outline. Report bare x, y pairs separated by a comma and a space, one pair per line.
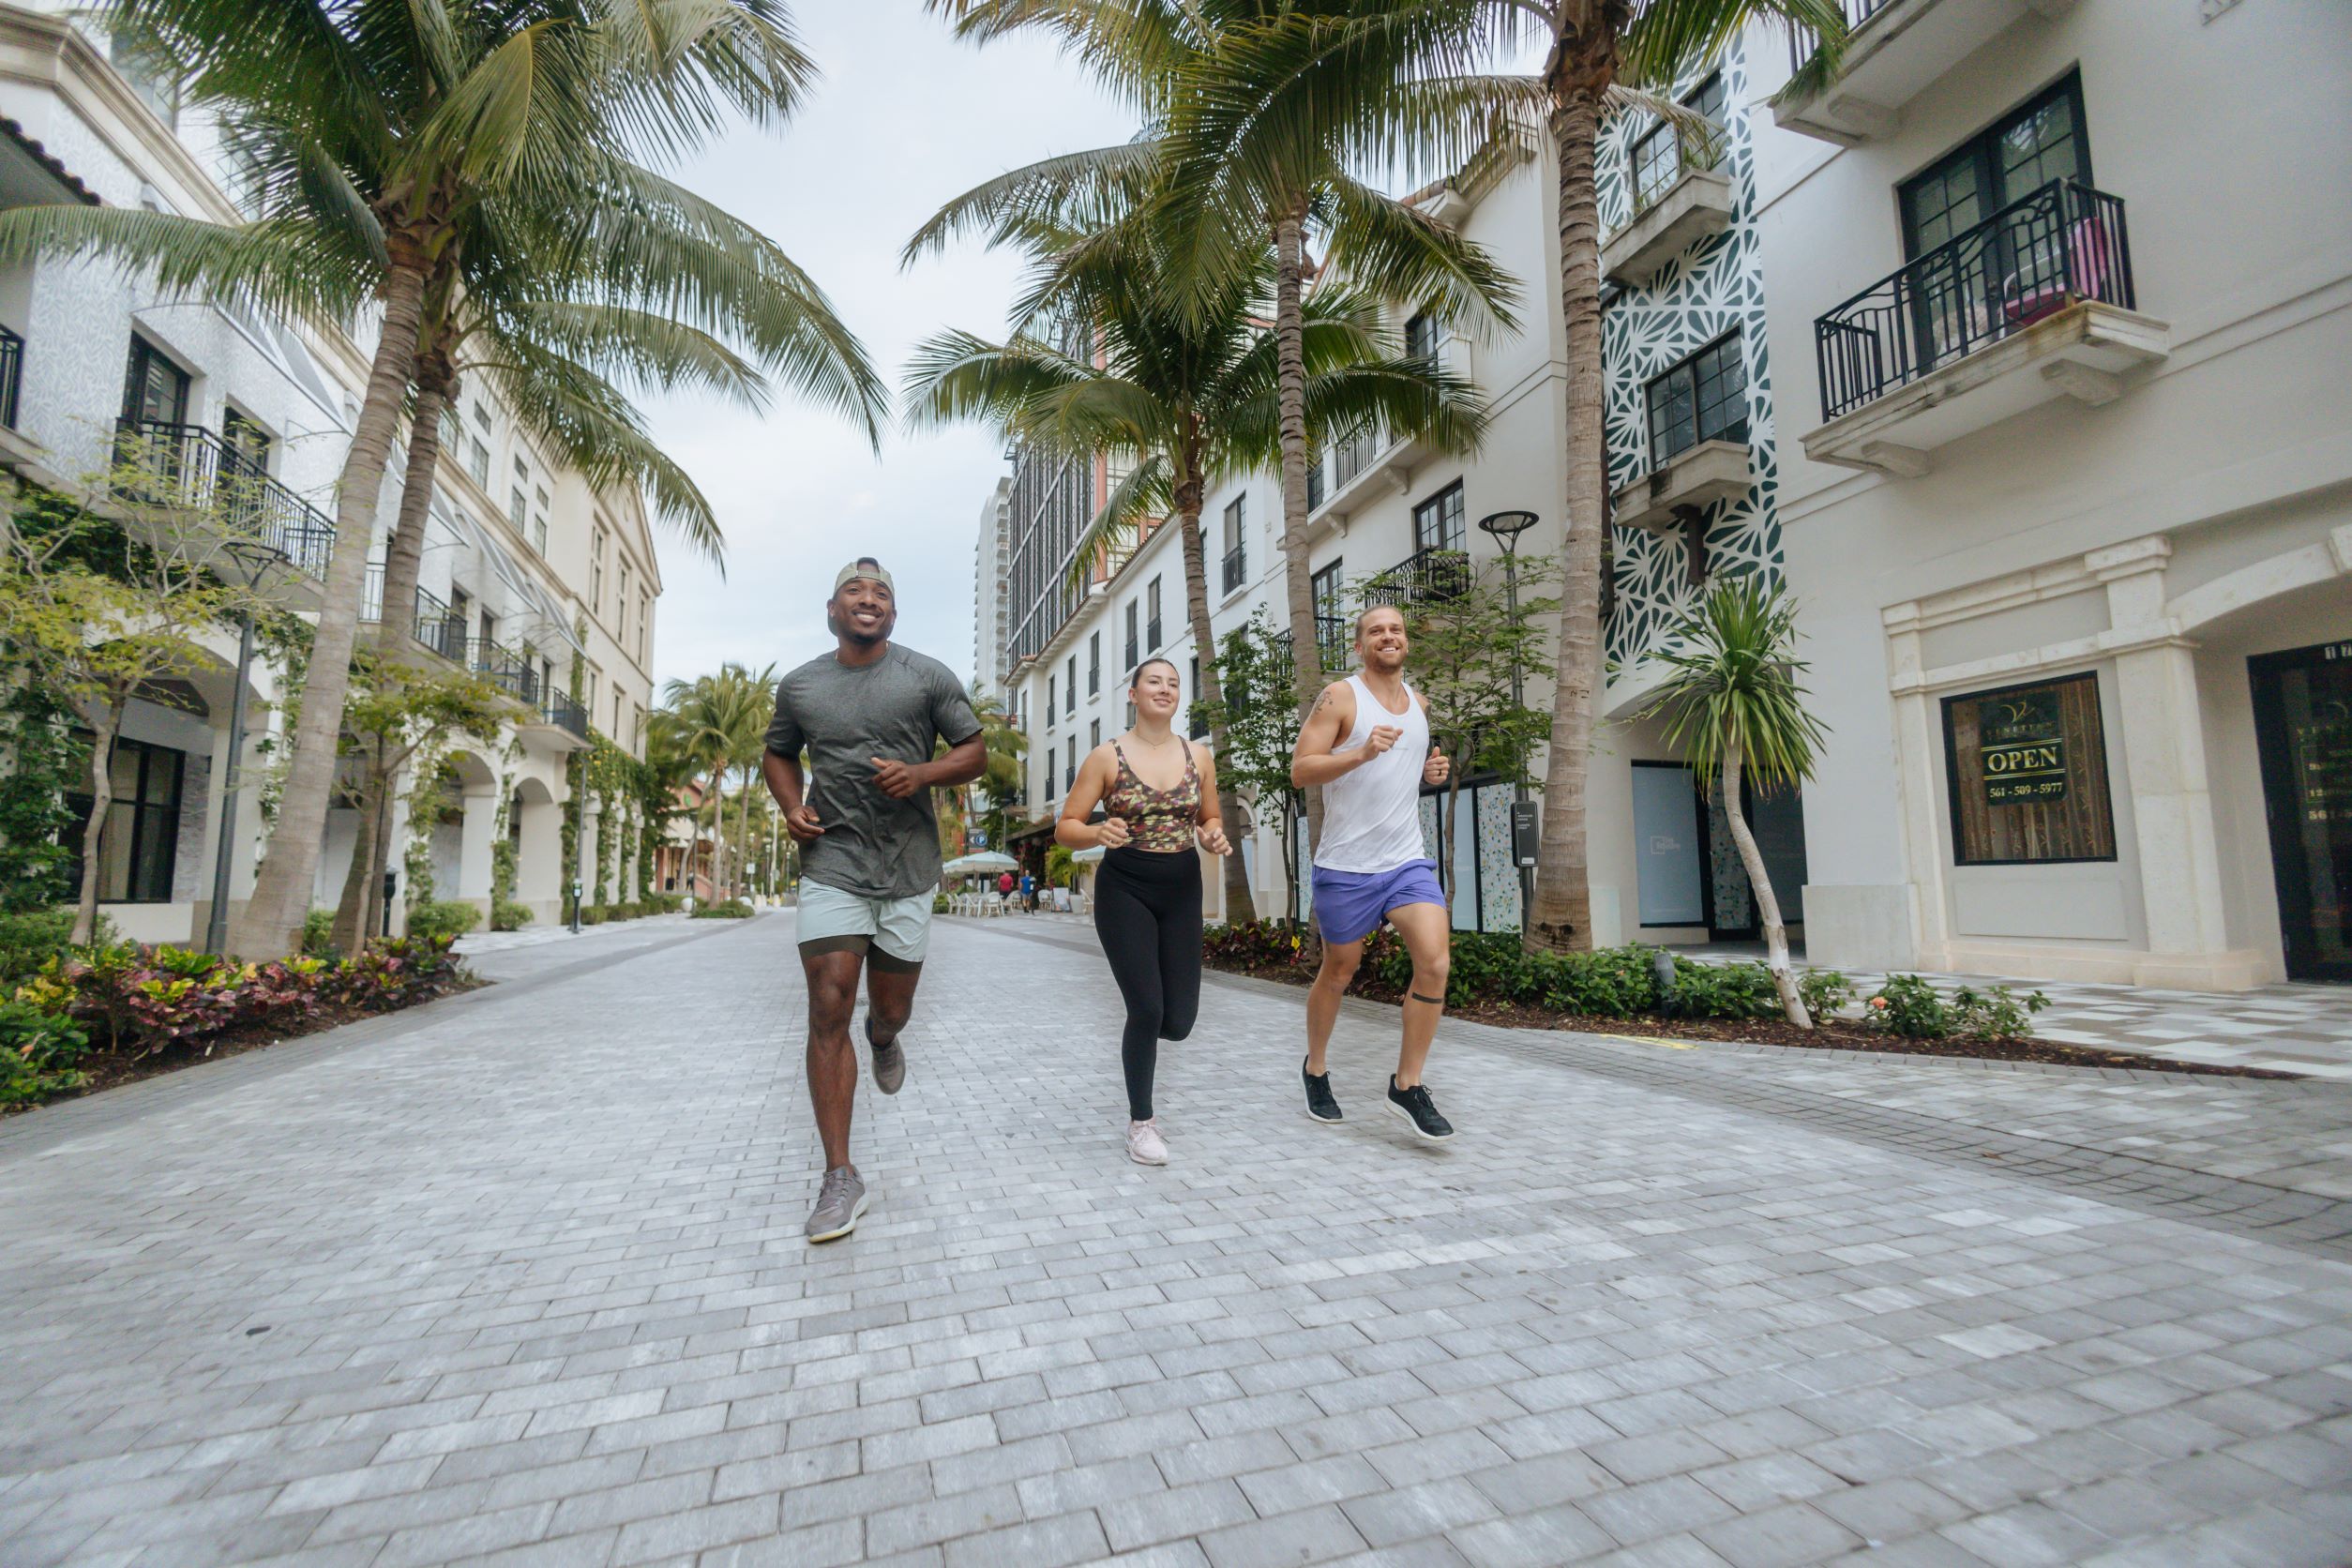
1620, 990
95, 1016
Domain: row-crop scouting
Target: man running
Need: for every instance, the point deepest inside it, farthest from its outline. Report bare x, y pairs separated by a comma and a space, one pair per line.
1366, 743
867, 713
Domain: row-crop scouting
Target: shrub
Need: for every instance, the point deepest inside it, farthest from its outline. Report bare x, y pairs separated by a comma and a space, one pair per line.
1995, 1014
39, 1050
1611, 983
592, 915
1826, 992
1723, 990
29, 940
508, 915
734, 908
1909, 1007
941, 903
449, 918
318, 933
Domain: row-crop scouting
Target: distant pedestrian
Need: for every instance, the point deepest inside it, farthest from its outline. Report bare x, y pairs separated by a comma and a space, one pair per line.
868, 713
1366, 745
1004, 885
1029, 893
1161, 796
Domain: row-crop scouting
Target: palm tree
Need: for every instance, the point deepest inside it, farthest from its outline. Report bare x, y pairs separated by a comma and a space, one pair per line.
1186, 396
1217, 215
1733, 704
442, 129
722, 722
1421, 93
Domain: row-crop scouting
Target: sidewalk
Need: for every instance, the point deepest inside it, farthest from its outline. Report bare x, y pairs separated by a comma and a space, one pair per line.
518, 1279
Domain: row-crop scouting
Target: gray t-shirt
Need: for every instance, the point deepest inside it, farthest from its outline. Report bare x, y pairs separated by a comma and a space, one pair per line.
846, 716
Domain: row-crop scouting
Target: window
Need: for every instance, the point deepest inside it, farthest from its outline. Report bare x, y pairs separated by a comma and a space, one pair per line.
1151, 615
478, 460
2026, 768
1421, 337
1313, 481
1331, 619
139, 841
2020, 153
1094, 664
538, 534
1200, 725
155, 389
1130, 714
515, 511
595, 572
148, 75
1069, 688
1703, 399
644, 624
616, 712
452, 428
1094, 733
1049, 705
1438, 522
1236, 553
248, 444
1663, 155
621, 604
1135, 651
1069, 765
588, 692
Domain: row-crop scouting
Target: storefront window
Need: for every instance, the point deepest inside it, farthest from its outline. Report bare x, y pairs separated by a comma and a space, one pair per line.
2027, 773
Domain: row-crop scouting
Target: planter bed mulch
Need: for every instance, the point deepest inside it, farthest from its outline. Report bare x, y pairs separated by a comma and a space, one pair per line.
1833, 1033
113, 1069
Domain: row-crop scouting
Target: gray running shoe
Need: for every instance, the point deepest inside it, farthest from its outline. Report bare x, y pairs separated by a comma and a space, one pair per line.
890, 1063
839, 1201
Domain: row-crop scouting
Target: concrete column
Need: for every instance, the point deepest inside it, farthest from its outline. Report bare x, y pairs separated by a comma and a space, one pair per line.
1919, 782
538, 872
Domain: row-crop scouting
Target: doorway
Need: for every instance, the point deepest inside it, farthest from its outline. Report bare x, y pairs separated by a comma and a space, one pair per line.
2302, 706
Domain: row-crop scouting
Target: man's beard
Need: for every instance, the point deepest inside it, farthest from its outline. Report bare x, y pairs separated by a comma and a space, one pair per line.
842, 626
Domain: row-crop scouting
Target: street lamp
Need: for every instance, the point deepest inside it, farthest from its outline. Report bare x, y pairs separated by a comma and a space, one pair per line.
1506, 527
250, 559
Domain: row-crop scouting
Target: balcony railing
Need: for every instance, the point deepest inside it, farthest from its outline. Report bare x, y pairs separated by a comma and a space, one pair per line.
564, 714
1353, 456
187, 466
1314, 481
1424, 577
505, 668
11, 375
1335, 638
2055, 247
1236, 570
1803, 40
434, 620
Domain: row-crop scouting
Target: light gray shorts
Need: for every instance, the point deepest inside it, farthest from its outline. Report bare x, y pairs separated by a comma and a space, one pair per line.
893, 929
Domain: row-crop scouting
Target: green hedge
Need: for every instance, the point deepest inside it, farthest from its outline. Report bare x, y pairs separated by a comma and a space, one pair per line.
734, 908
443, 919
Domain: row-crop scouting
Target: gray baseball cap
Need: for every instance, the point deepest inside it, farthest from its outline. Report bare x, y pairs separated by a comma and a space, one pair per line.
865, 566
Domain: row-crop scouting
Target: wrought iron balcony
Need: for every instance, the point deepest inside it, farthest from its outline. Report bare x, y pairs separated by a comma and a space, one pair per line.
1426, 577
1894, 51
1803, 40
506, 669
433, 622
2060, 245
1334, 638
1236, 569
189, 467
565, 715
11, 375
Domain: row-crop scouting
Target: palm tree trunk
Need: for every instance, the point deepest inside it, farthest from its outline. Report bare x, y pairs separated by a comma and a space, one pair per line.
271, 923
1306, 652
351, 911
1239, 904
743, 836
1563, 917
1767, 906
108, 720
404, 557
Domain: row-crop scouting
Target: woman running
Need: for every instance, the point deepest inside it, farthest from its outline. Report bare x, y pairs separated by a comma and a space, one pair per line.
1161, 796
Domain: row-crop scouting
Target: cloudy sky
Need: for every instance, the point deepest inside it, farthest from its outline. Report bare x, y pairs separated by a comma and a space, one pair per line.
904, 118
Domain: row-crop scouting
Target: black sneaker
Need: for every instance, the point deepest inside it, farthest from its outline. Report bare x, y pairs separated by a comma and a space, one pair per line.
1319, 1105
1413, 1105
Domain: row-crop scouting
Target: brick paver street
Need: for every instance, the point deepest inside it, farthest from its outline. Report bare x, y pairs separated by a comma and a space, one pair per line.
520, 1279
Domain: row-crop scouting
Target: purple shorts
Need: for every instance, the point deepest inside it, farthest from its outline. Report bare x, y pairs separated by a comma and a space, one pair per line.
1348, 904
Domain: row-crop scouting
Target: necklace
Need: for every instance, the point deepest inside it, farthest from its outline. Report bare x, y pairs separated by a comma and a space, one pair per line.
1138, 734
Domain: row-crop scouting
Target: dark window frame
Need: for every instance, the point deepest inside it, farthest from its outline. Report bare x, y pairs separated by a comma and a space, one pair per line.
1093, 663
1688, 368
1652, 146
1981, 150
1456, 535
147, 817
1151, 616
144, 355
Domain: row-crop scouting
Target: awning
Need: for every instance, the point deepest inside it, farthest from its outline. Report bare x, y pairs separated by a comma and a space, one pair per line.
533, 600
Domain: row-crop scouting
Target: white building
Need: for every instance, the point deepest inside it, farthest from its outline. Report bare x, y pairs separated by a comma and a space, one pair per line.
527, 570
1685, 305
2059, 305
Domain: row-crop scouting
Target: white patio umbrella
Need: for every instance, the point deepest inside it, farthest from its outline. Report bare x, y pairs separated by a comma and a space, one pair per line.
973, 865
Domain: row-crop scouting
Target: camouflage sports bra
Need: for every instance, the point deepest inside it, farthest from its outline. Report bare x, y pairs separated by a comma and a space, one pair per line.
1157, 820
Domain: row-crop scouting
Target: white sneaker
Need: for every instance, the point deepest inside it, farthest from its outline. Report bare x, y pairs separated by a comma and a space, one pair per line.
1144, 1144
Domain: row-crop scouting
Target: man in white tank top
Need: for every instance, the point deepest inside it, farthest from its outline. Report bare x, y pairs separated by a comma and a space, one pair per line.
1366, 745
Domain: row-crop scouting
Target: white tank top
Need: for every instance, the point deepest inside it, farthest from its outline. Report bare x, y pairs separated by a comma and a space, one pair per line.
1372, 816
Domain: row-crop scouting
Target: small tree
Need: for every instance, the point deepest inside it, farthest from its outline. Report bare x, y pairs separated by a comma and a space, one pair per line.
1464, 651
95, 617
1259, 712
396, 712
1733, 703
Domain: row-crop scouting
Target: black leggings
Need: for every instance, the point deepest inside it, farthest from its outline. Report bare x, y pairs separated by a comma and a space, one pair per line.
1147, 911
